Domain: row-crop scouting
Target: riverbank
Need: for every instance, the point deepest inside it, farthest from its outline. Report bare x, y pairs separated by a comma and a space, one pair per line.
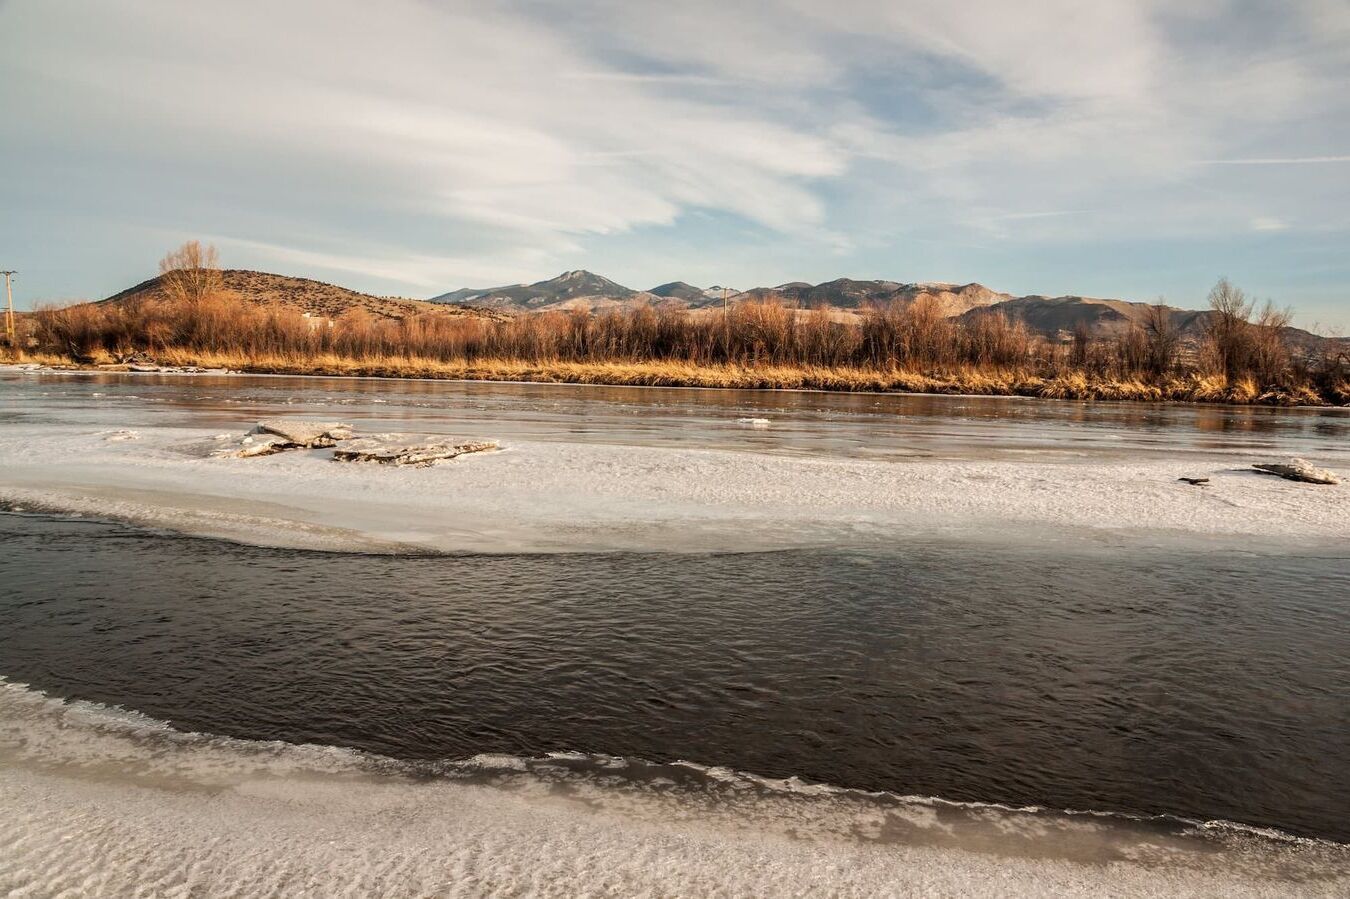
969, 381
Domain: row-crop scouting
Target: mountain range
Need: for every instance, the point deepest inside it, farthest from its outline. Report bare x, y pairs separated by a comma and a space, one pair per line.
582, 288
1054, 317
844, 298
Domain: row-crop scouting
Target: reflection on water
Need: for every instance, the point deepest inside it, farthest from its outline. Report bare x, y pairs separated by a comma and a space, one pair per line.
1200, 685
858, 425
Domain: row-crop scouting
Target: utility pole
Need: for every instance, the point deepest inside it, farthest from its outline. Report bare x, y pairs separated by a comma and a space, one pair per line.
9, 310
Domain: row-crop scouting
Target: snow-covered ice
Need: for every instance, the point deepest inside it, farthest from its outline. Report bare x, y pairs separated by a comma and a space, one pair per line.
626, 469
96, 801
558, 495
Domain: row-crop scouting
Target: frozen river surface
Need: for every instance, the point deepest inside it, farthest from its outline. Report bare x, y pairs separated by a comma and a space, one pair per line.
878, 646
597, 469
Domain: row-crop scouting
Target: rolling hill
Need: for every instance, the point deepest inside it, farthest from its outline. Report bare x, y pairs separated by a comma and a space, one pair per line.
1053, 316
846, 293
314, 298
679, 290
564, 291
1057, 317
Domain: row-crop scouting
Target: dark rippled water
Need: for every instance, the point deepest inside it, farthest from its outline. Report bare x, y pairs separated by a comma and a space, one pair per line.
1199, 685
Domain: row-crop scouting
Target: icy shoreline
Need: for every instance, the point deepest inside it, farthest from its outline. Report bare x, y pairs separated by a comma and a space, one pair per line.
102, 800
545, 496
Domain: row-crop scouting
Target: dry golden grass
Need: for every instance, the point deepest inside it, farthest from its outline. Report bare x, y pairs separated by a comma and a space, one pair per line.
649, 374
965, 380
968, 380
14, 356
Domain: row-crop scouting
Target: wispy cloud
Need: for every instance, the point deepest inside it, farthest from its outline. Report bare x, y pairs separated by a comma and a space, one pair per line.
1278, 160
1269, 223
1047, 214
425, 273
672, 78
890, 136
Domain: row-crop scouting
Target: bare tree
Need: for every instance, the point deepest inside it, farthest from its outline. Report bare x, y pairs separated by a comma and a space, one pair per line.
1270, 350
1082, 340
925, 332
1163, 339
1244, 340
191, 273
1132, 351
1230, 301
1228, 331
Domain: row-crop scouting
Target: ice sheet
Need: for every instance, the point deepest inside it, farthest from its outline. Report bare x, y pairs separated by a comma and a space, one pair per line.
98, 801
561, 496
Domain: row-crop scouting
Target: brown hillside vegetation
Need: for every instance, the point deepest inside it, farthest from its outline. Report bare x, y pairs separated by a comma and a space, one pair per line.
1241, 354
846, 293
303, 295
1063, 317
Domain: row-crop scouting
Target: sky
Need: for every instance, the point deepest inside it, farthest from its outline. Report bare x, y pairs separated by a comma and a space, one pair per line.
1117, 148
